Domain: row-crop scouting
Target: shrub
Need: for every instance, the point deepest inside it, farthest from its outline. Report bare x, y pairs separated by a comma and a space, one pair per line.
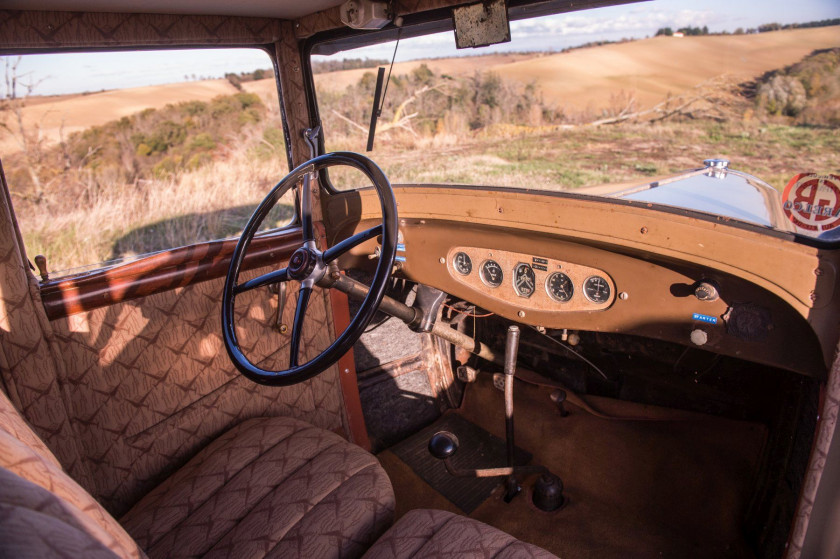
782, 95
808, 90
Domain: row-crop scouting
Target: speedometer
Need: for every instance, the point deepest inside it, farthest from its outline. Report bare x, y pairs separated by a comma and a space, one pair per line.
524, 281
560, 287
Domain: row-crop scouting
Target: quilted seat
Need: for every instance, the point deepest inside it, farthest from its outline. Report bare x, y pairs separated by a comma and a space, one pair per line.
269, 487
436, 533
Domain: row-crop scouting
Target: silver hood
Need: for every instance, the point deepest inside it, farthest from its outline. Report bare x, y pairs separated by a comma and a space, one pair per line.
718, 190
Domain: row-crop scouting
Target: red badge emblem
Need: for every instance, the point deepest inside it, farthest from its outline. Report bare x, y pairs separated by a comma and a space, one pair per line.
812, 202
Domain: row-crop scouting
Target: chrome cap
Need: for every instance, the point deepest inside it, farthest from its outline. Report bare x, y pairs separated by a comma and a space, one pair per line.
716, 163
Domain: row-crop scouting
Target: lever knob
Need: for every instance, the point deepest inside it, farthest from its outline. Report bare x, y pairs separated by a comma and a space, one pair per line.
443, 444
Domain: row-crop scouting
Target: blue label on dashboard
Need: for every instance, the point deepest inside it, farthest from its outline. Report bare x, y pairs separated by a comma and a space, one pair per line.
401, 247
399, 258
704, 318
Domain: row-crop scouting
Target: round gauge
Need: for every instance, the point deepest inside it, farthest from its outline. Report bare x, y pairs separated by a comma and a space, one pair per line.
560, 287
491, 273
524, 281
596, 289
462, 263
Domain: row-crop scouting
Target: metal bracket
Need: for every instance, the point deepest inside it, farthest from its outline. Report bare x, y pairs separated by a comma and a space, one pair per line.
428, 302
310, 135
280, 290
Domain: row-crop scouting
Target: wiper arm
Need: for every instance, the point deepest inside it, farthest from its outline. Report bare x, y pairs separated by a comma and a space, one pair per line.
374, 114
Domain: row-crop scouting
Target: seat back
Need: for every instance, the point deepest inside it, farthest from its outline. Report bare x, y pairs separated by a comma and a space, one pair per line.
43, 511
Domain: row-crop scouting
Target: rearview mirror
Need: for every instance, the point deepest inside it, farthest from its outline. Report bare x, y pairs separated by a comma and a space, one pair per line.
482, 24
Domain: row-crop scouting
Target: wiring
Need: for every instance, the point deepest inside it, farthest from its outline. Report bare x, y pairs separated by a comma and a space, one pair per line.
568, 348
468, 313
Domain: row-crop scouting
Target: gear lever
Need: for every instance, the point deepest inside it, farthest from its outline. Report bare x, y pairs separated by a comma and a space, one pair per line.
511, 351
443, 445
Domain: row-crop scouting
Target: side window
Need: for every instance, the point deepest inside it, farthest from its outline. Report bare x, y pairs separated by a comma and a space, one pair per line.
109, 156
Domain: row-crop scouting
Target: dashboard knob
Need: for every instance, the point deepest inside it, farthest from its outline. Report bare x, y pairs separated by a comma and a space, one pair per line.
699, 337
706, 290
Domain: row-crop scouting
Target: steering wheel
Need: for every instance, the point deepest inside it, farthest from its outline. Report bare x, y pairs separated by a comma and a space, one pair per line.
308, 265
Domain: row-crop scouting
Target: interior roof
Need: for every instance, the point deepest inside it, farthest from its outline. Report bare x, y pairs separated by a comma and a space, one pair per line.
283, 9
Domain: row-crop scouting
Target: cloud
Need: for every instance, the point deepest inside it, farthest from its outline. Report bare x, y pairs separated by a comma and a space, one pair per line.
635, 22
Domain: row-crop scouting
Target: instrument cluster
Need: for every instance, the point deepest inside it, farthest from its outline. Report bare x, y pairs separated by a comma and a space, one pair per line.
532, 281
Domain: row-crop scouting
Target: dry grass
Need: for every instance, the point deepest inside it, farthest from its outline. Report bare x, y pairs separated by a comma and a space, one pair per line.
215, 201
124, 220
564, 159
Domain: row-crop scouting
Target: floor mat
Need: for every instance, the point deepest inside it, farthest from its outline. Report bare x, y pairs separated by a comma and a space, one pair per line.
634, 488
478, 449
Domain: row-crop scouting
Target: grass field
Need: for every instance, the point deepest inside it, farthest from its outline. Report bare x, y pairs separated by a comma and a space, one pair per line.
173, 212
570, 159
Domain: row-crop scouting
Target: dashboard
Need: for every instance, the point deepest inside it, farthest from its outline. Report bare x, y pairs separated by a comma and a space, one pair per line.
568, 263
543, 280
530, 281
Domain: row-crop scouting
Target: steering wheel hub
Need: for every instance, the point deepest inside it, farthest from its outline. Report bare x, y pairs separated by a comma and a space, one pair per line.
302, 263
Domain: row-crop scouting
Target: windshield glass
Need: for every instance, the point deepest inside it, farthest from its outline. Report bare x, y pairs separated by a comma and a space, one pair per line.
609, 102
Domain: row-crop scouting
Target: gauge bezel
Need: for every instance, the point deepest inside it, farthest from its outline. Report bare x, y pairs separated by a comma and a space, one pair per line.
590, 299
484, 280
548, 290
513, 280
455, 265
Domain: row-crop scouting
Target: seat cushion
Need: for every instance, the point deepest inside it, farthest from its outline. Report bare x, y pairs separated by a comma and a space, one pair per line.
274, 487
435, 533
43, 511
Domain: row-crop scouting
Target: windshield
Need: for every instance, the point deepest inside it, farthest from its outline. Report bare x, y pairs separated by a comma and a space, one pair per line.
613, 102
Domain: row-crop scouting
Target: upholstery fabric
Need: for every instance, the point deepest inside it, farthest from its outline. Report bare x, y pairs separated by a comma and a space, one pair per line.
126, 394
435, 533
43, 511
31, 371
150, 383
305, 491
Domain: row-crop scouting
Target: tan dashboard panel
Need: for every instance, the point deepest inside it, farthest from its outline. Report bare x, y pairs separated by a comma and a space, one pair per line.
531, 281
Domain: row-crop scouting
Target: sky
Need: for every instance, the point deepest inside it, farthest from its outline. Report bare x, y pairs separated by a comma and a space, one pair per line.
54, 74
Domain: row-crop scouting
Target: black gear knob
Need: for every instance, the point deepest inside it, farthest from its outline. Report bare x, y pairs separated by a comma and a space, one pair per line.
443, 444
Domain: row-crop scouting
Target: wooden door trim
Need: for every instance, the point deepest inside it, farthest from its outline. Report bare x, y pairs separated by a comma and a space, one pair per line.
162, 271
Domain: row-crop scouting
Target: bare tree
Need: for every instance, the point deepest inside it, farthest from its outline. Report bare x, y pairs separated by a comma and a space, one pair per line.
28, 136
401, 118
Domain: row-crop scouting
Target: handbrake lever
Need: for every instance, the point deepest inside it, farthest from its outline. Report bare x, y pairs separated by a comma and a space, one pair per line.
444, 444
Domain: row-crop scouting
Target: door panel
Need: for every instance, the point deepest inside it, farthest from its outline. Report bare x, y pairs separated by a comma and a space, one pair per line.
149, 382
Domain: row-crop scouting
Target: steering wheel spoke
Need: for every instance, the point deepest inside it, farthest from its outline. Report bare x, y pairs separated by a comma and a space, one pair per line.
277, 276
306, 209
297, 328
350, 242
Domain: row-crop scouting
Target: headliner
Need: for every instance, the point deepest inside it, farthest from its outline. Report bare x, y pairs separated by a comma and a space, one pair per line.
283, 9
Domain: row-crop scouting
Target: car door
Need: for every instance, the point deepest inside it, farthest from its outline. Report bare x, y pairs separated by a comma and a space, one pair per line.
121, 366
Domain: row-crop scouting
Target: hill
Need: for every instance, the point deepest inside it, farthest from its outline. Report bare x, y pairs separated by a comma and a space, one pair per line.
78, 112
650, 69
581, 79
